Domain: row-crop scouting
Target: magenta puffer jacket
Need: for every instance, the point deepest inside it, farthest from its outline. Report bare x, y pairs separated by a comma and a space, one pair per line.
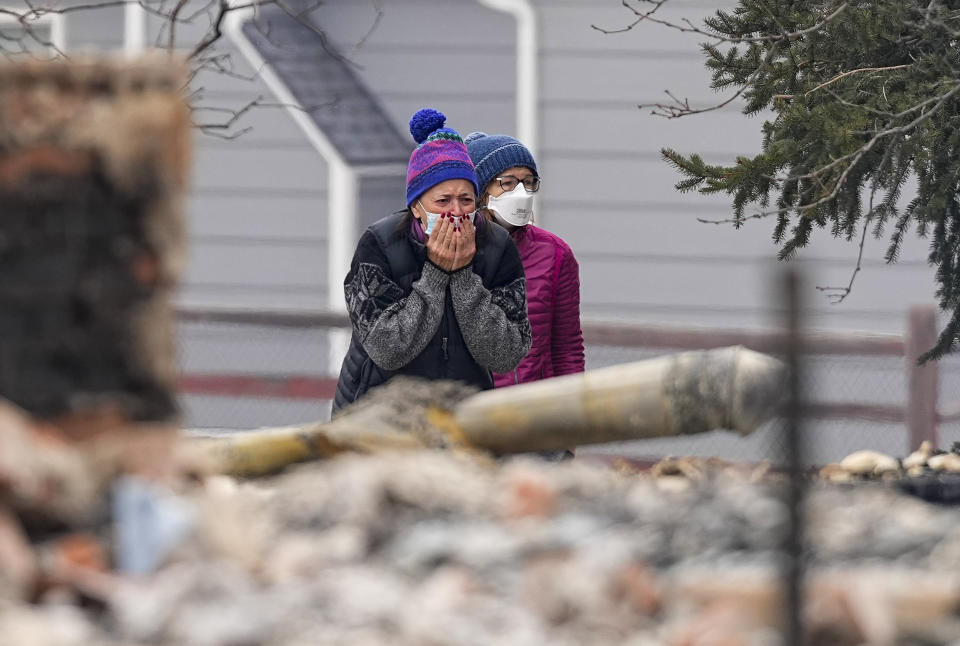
553, 304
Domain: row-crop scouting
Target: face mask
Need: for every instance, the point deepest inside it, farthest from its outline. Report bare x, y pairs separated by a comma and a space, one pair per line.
514, 208
433, 217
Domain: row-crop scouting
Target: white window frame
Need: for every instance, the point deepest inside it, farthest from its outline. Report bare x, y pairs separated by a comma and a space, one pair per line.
55, 22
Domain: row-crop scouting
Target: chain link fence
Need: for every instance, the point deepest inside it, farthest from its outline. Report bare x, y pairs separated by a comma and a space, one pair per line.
854, 383
243, 371
949, 401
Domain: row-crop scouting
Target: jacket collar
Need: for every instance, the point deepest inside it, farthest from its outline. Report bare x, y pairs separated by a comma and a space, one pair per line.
520, 234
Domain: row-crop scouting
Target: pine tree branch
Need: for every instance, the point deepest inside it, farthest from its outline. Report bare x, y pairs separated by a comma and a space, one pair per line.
841, 76
841, 181
855, 157
858, 154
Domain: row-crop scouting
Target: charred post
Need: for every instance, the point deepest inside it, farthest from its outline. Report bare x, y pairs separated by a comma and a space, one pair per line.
93, 164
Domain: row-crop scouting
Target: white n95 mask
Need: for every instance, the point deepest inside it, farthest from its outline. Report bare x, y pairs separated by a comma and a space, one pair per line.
514, 208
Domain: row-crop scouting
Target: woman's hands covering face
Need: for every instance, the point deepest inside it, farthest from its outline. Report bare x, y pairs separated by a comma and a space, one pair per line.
452, 247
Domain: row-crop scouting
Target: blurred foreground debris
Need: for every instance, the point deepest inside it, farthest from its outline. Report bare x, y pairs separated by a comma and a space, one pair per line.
685, 393
447, 549
94, 157
929, 473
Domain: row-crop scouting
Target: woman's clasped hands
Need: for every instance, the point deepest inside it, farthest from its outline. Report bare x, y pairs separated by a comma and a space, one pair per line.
452, 243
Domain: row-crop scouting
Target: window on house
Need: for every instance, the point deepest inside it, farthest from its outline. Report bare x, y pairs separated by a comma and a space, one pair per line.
41, 37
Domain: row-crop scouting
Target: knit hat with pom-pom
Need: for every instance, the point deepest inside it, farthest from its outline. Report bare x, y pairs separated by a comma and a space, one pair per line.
440, 155
493, 154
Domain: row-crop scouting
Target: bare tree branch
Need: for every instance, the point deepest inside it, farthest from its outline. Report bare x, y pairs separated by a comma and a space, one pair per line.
321, 34
681, 108
641, 16
378, 9
203, 56
215, 32
838, 294
690, 28
173, 23
222, 129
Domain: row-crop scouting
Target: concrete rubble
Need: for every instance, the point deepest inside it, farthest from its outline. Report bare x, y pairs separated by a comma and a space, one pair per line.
434, 547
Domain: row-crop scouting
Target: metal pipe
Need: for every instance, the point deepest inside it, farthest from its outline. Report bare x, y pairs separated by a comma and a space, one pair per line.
677, 394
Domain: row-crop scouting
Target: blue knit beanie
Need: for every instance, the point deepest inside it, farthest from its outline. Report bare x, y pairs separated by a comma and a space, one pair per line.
439, 156
493, 154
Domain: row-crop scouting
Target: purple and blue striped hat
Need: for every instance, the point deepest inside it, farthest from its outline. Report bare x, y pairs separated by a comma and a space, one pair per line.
440, 155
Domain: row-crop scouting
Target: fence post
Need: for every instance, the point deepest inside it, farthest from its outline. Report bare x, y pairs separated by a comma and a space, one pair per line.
921, 413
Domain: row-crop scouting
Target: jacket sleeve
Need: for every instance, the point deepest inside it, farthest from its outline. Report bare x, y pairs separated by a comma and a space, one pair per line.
393, 328
566, 337
494, 322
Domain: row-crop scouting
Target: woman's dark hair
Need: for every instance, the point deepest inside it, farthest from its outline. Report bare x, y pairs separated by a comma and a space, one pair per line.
404, 224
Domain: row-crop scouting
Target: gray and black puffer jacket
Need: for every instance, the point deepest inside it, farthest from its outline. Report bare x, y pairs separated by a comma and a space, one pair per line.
410, 317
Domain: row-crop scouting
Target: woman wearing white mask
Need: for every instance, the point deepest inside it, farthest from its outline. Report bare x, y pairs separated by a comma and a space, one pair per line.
508, 179
434, 290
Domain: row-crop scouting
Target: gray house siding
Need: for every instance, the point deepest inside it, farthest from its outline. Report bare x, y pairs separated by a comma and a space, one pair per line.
100, 30
257, 217
379, 196
84, 30
257, 206
453, 55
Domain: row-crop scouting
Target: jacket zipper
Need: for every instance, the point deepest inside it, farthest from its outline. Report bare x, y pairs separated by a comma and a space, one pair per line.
446, 326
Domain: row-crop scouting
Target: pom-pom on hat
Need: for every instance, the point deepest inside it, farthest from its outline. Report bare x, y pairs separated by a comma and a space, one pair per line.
440, 155
493, 154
